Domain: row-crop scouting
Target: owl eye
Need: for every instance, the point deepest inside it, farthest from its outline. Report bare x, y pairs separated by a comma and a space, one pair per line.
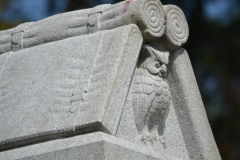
157, 64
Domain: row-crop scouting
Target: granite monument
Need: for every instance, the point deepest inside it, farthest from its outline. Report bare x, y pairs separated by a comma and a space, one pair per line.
110, 82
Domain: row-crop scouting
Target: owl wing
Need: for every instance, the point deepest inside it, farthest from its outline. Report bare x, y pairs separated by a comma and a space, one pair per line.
164, 102
142, 98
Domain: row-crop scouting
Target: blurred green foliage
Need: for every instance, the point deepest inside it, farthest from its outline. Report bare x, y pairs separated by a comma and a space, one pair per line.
4, 25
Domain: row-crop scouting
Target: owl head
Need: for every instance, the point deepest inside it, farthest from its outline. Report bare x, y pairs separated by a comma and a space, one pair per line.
156, 61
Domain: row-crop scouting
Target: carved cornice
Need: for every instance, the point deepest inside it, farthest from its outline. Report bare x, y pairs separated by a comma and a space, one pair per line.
156, 21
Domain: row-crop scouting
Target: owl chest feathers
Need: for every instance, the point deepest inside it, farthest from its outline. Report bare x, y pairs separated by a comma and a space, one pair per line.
146, 83
151, 97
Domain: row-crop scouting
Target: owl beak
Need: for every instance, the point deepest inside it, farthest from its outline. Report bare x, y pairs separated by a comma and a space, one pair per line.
162, 74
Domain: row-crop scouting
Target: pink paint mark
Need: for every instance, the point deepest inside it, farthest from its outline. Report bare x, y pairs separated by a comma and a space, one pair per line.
126, 5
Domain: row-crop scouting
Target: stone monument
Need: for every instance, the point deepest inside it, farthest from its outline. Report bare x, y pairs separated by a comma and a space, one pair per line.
111, 82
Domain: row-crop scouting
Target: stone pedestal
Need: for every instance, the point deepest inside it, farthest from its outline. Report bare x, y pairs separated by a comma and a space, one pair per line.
92, 146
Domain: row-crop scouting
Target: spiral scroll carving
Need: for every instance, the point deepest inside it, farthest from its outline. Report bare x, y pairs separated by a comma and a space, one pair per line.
177, 30
153, 19
165, 25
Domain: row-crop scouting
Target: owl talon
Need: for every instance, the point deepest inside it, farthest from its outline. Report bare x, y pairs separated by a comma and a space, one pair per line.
161, 140
145, 138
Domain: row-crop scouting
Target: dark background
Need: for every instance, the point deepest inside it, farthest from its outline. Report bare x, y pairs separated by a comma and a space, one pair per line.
213, 47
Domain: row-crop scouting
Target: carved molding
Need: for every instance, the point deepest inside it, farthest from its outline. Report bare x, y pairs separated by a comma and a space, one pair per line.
156, 21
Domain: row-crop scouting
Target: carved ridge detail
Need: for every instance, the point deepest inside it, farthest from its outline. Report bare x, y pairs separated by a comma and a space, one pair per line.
156, 21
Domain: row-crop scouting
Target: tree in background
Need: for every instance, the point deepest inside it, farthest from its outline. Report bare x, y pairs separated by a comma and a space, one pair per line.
214, 50
4, 25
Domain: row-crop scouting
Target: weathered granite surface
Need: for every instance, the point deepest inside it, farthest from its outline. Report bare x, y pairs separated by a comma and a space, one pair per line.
147, 14
190, 109
92, 146
118, 69
74, 85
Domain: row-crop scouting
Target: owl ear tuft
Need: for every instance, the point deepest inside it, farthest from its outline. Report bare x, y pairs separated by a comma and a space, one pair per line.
161, 56
150, 51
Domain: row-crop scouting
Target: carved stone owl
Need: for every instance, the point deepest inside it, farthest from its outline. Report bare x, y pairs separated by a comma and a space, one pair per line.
150, 94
